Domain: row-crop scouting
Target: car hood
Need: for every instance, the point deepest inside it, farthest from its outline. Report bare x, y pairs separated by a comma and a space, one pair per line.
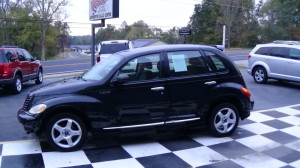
72, 85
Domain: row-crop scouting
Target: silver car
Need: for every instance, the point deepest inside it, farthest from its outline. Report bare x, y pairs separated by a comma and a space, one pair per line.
275, 61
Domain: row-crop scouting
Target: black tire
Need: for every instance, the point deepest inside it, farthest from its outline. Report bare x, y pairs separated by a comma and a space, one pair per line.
16, 87
40, 78
260, 75
71, 127
223, 120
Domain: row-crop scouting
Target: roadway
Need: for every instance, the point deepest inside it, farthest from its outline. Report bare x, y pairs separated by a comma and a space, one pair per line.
79, 64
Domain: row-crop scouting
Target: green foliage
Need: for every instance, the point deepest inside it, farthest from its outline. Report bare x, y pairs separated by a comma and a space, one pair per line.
21, 27
281, 20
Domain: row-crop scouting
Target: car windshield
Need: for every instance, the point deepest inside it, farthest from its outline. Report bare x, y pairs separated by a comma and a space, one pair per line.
101, 70
113, 48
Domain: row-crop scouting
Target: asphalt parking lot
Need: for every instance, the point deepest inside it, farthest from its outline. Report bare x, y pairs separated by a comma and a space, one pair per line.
274, 124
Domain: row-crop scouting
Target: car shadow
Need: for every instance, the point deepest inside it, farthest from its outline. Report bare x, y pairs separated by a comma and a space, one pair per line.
26, 87
292, 85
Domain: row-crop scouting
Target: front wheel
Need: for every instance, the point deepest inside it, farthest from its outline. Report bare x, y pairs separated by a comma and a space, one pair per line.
260, 75
224, 120
66, 132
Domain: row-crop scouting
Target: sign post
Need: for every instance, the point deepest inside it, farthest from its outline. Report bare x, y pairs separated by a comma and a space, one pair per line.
101, 10
185, 32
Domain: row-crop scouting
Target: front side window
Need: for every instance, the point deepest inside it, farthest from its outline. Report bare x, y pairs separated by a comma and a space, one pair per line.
217, 62
185, 63
102, 69
294, 53
279, 52
263, 51
142, 68
28, 57
21, 56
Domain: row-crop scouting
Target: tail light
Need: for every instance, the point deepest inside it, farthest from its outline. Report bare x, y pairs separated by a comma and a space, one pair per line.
249, 56
246, 92
98, 59
6, 71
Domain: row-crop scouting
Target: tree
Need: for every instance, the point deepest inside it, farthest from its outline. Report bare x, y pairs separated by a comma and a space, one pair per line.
204, 25
281, 20
47, 10
139, 30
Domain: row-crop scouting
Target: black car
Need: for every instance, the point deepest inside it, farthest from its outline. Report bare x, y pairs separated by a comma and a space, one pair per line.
161, 87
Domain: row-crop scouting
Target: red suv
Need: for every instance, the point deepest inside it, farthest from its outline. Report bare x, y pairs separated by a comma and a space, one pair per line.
18, 66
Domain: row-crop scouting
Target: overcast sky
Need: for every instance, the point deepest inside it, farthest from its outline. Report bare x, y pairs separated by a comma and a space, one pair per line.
163, 14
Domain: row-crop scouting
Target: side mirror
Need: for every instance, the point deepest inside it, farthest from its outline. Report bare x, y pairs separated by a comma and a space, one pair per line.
120, 79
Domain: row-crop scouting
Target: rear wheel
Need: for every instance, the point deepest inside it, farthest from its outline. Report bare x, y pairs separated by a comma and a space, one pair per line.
224, 120
66, 132
39, 79
17, 85
260, 75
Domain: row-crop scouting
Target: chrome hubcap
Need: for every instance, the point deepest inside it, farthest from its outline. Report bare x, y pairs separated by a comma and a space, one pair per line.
225, 120
40, 76
259, 75
66, 133
18, 84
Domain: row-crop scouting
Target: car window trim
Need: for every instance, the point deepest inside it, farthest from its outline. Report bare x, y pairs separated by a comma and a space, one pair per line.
167, 67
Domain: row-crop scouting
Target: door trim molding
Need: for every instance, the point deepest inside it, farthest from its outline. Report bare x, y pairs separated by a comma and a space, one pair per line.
152, 124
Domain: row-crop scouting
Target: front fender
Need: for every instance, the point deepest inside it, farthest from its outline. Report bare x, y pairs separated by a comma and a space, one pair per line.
260, 63
87, 108
84, 104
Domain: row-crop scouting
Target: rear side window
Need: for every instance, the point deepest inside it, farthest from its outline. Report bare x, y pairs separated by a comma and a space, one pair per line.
219, 65
294, 53
263, 51
185, 63
1, 56
279, 52
8, 56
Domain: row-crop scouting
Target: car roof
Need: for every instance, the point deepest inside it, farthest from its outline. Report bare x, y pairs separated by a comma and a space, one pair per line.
161, 48
279, 45
115, 41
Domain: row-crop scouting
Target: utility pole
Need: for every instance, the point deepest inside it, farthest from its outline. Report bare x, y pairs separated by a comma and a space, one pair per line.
224, 37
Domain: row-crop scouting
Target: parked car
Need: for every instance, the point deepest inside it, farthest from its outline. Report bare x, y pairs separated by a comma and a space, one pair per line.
279, 61
159, 87
18, 66
107, 48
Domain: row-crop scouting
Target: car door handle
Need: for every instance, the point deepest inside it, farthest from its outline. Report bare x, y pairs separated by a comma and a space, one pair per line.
158, 88
210, 83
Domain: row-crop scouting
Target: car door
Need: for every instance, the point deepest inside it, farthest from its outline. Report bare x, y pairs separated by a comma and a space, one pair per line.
31, 66
140, 102
293, 65
24, 64
277, 62
188, 85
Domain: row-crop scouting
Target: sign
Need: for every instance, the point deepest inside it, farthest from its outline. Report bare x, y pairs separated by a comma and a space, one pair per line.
259, 37
103, 9
185, 32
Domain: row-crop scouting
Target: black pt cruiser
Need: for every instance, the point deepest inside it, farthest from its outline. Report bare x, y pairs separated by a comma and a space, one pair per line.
171, 86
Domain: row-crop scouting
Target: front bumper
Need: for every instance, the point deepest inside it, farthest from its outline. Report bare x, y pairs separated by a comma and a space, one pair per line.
31, 123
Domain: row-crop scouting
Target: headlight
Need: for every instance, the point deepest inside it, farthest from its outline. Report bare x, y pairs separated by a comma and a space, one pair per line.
38, 109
